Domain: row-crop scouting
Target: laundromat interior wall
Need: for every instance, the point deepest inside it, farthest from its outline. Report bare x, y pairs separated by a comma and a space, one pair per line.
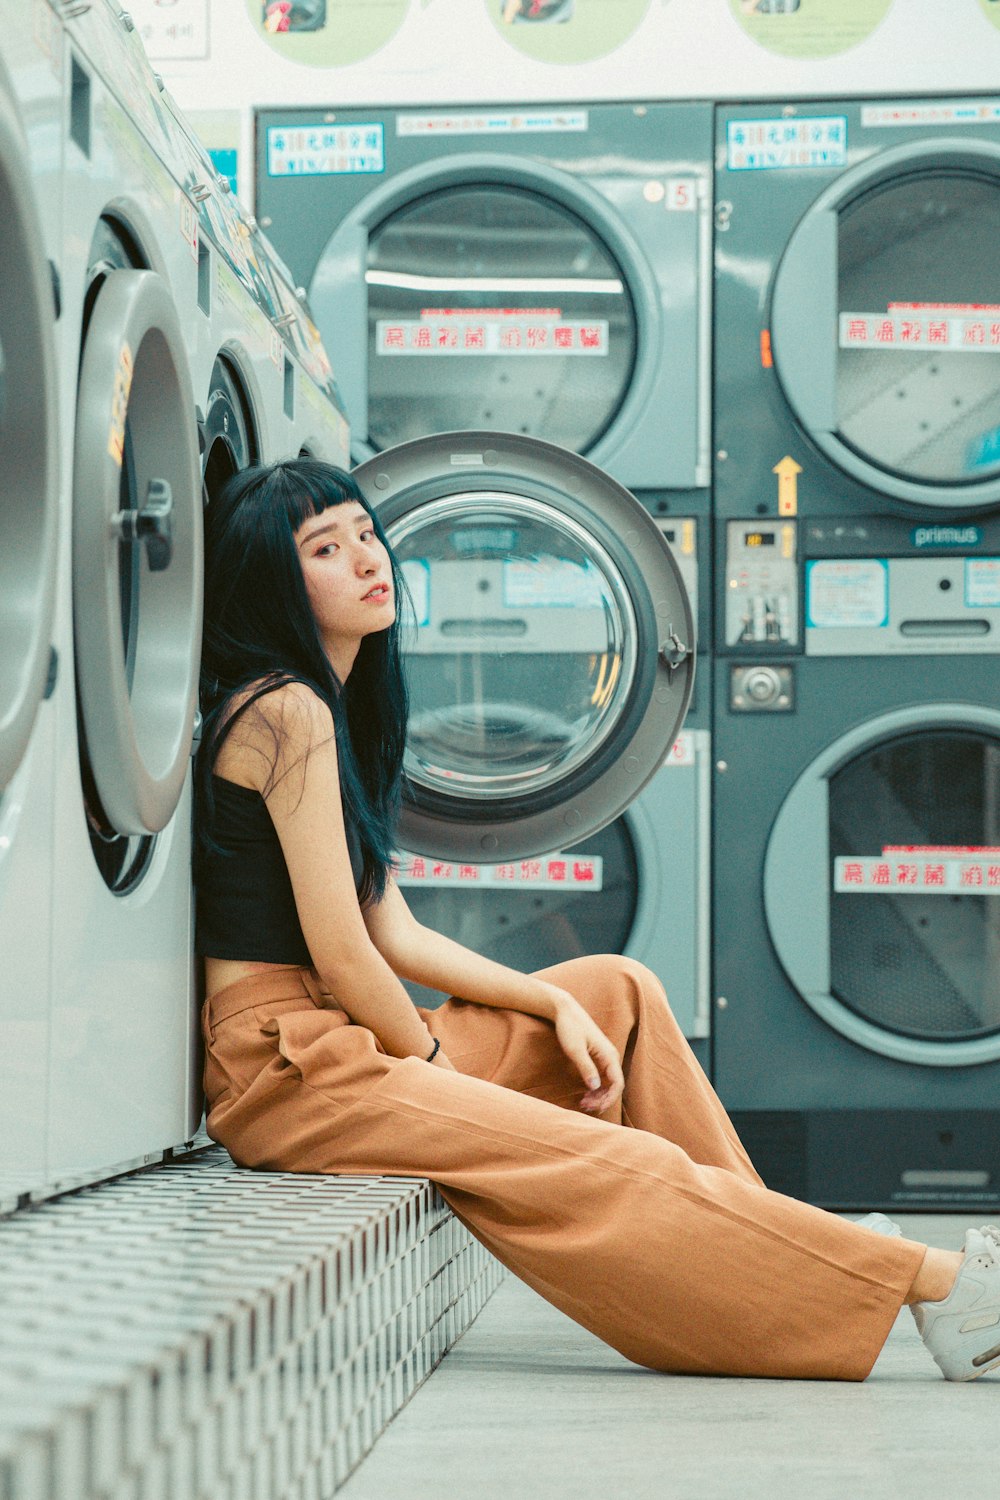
411, 52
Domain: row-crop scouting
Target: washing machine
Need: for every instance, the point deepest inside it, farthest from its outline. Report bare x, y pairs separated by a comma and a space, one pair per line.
640, 885
127, 624
543, 270
175, 369
549, 643
857, 308
30, 164
262, 381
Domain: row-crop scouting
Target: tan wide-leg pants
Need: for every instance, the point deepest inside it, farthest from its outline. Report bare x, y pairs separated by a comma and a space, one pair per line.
661, 1238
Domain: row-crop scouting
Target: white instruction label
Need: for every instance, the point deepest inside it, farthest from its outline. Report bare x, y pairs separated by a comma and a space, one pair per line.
843, 592
917, 876
580, 874
975, 333
493, 122
551, 583
963, 112
982, 582
453, 334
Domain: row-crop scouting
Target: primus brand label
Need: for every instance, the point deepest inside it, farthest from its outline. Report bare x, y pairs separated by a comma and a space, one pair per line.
946, 536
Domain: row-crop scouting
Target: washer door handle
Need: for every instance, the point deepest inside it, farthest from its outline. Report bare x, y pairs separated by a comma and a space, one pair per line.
673, 652
153, 524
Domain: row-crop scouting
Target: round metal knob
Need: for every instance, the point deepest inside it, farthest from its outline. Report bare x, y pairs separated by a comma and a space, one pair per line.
762, 685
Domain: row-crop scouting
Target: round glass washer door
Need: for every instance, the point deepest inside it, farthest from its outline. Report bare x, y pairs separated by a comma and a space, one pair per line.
494, 307
137, 553
534, 928
548, 637
882, 885
886, 323
29, 494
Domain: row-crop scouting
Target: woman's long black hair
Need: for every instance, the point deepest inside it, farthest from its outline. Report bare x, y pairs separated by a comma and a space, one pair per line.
260, 633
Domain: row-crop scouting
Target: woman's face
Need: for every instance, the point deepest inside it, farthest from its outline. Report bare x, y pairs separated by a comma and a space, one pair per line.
347, 575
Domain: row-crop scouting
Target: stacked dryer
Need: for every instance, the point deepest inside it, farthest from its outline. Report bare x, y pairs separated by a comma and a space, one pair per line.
542, 272
158, 347
857, 800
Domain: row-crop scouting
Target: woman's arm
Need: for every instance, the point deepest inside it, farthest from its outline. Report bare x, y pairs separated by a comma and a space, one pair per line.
426, 957
304, 800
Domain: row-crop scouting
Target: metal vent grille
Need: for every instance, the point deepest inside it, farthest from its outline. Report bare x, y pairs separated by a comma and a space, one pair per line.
201, 1332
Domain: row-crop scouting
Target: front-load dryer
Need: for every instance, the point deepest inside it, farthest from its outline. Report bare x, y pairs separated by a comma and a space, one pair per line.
30, 522
542, 270
856, 860
128, 619
857, 308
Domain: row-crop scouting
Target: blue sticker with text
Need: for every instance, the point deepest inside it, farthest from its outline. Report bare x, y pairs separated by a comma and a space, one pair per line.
770, 145
324, 150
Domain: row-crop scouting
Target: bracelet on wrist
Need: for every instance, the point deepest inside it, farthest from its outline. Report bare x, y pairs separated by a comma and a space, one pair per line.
435, 1049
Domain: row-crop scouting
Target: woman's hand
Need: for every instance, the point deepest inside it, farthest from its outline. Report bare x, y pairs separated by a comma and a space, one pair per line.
590, 1052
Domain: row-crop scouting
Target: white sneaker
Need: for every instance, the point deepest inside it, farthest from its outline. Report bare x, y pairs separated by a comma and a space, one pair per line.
963, 1331
880, 1223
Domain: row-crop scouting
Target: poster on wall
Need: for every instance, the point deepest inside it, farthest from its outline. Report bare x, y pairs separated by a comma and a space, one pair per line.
172, 28
327, 33
991, 9
809, 28
566, 31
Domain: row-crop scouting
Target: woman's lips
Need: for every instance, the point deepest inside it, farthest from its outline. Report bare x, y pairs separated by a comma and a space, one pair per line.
377, 594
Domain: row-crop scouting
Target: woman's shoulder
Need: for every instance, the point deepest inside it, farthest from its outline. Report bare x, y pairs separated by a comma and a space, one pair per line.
270, 725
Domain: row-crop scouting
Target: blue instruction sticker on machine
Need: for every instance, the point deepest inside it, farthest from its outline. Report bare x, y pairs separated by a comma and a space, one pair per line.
847, 593
325, 150
770, 145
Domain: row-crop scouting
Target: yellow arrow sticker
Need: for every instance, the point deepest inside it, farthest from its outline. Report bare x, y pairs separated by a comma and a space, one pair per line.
119, 405
787, 471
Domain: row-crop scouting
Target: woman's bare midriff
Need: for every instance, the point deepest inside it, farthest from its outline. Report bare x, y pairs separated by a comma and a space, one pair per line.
220, 972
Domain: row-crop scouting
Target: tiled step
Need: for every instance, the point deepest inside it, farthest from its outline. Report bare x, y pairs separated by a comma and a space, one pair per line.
201, 1332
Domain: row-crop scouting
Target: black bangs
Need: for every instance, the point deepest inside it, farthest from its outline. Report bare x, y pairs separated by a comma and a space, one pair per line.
308, 487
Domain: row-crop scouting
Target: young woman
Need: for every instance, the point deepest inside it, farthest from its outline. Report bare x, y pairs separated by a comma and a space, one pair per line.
562, 1114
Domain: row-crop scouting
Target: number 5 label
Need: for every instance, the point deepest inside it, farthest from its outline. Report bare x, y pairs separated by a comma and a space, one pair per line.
681, 194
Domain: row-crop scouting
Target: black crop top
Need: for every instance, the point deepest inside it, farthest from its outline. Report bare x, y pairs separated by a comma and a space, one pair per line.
244, 906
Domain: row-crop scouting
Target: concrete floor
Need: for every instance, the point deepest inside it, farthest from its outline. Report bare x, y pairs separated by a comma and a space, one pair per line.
529, 1405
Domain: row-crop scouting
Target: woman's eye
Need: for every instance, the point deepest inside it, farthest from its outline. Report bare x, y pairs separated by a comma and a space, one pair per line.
367, 536
328, 547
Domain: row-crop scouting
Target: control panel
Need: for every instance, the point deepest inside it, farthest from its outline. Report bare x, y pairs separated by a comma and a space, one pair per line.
762, 584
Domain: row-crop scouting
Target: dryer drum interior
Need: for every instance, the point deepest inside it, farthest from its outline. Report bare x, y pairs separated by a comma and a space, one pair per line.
228, 433
526, 649
920, 960
886, 323
28, 452
534, 928
136, 558
548, 636
882, 885
495, 307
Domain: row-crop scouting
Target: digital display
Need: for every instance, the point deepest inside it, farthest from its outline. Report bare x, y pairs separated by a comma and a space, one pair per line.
758, 538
